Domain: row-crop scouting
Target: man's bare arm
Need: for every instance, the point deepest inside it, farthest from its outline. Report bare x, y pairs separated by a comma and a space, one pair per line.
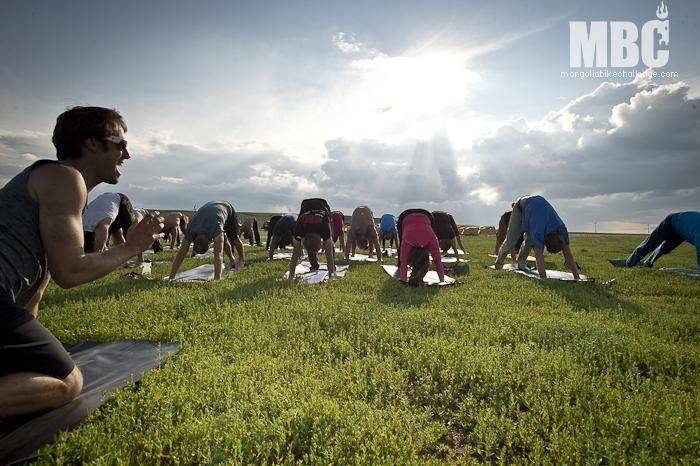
239, 250
180, 257
218, 262
569, 261
296, 254
349, 243
101, 234
61, 194
273, 246
329, 249
539, 260
375, 241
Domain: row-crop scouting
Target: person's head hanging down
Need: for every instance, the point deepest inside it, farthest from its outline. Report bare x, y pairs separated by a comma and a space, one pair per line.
249, 230
417, 239
542, 227
363, 233
280, 232
446, 231
214, 222
109, 215
313, 231
388, 231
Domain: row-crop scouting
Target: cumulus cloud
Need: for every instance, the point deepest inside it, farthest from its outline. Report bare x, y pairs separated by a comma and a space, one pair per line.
639, 137
18, 150
348, 43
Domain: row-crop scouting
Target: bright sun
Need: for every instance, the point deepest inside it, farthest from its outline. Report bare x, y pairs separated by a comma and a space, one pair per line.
413, 85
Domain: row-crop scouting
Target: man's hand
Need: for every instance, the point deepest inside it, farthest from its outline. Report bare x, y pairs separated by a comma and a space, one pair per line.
144, 233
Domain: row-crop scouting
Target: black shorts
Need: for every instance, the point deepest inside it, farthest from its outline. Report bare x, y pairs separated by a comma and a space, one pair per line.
314, 217
441, 226
26, 345
125, 216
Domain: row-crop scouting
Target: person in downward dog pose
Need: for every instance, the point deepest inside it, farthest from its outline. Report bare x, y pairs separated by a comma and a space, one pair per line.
417, 240
313, 232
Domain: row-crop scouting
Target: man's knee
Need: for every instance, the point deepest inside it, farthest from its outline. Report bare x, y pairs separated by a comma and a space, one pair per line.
73, 386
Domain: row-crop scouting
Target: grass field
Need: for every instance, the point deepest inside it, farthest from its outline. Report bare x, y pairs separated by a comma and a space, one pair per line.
497, 369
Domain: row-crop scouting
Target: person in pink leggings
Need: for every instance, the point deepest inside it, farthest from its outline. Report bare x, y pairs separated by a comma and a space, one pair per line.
417, 239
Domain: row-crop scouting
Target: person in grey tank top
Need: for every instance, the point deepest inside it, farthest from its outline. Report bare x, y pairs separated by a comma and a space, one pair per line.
41, 225
214, 222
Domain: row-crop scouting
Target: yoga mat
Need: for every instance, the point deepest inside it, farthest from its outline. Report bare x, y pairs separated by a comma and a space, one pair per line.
303, 273
204, 273
340, 270
285, 256
362, 258
554, 274
685, 272
529, 258
431, 278
106, 367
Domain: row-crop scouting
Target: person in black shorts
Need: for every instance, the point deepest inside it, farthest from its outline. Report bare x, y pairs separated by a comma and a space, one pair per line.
214, 222
41, 236
109, 215
445, 232
313, 232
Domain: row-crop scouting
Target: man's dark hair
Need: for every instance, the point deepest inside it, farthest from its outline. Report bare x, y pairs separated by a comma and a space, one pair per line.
201, 244
363, 243
78, 124
554, 242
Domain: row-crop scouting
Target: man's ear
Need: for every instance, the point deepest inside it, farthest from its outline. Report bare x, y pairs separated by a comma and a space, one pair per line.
92, 145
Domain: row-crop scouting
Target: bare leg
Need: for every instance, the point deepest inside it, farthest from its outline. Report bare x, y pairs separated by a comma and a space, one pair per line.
29, 392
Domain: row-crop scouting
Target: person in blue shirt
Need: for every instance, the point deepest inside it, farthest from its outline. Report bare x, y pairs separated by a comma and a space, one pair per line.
671, 232
543, 227
388, 231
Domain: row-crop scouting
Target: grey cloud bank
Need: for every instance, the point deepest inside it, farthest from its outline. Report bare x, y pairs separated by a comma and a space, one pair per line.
622, 153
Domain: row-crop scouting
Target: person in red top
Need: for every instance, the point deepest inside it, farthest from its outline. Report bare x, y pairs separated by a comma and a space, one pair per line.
417, 239
338, 226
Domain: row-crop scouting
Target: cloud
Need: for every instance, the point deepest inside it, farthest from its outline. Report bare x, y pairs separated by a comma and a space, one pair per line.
347, 43
637, 137
624, 154
17, 150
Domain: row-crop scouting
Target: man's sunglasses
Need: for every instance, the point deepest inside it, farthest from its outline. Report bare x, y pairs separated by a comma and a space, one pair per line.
119, 141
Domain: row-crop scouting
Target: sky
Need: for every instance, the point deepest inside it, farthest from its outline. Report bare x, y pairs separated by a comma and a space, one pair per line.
461, 106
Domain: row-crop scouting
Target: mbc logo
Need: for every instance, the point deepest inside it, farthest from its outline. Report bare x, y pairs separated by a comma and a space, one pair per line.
592, 45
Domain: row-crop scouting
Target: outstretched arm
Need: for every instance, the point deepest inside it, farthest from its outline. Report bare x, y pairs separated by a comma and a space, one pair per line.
61, 194
181, 253
349, 243
296, 254
539, 260
329, 249
256, 233
102, 234
239, 250
569, 261
273, 246
218, 249
375, 240
459, 241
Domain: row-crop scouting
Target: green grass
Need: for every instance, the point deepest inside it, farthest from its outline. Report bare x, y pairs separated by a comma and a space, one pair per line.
498, 369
